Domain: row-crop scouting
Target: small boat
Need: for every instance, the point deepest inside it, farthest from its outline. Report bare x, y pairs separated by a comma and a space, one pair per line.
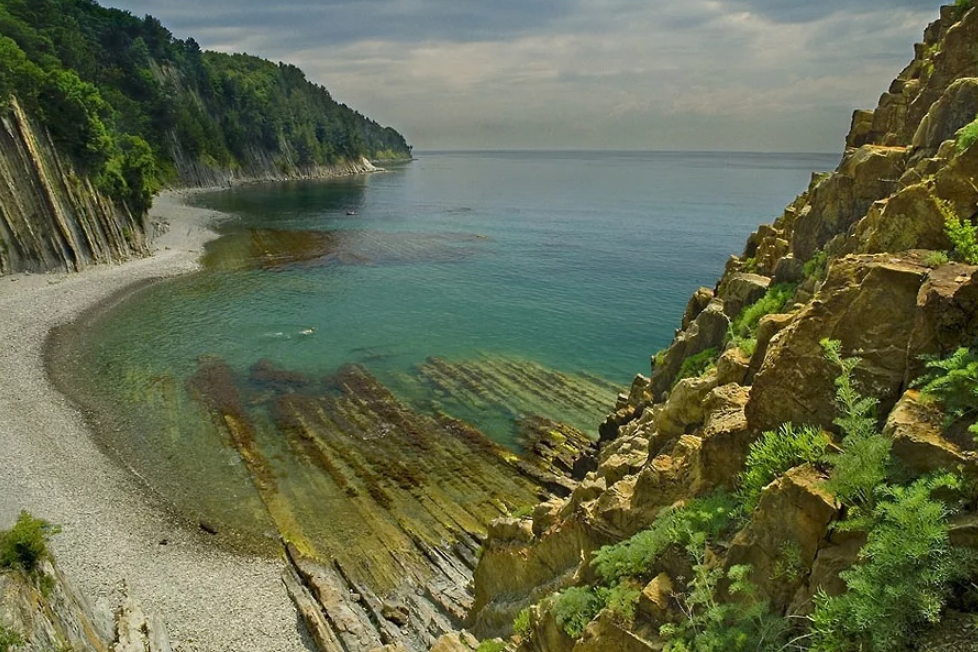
351, 212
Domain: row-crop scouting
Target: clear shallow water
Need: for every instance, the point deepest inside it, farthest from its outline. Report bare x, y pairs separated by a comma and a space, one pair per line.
580, 262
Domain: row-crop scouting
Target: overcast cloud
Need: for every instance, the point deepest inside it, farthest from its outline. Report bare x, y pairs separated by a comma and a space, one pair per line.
764, 75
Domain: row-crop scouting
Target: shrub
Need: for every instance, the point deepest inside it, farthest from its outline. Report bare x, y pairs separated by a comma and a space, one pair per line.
696, 365
774, 454
936, 259
962, 234
623, 599
741, 624
954, 382
904, 580
773, 301
26, 544
9, 639
966, 136
817, 265
961, 7
575, 608
862, 465
521, 624
491, 646
708, 518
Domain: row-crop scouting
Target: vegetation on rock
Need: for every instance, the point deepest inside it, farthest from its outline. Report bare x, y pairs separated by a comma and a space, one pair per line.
135, 106
953, 381
696, 365
775, 453
25, 545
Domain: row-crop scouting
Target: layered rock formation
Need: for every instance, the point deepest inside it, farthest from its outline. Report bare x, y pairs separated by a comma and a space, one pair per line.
41, 610
51, 216
857, 255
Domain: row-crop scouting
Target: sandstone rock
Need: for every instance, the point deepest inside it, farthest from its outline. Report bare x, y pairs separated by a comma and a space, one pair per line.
504, 530
915, 427
697, 304
767, 328
655, 602
741, 290
455, 642
545, 516
867, 302
788, 270
841, 553
784, 535
137, 632
684, 408
707, 331
604, 633
956, 108
910, 219
732, 367
726, 439
860, 133
865, 176
947, 313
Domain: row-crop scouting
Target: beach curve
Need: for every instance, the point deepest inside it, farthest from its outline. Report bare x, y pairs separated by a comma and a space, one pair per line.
113, 531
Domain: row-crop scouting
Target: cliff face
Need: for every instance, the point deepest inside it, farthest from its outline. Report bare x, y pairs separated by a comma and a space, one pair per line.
854, 259
51, 217
41, 610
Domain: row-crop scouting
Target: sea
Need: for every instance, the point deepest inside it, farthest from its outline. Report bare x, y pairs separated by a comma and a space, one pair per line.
485, 285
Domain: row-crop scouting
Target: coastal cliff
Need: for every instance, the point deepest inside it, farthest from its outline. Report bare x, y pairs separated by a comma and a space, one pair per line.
102, 109
51, 215
750, 493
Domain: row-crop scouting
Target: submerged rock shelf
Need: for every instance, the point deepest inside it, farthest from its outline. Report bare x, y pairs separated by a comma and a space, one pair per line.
382, 507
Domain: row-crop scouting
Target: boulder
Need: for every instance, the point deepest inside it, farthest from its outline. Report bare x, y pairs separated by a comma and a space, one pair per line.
956, 108
947, 314
869, 304
784, 535
910, 219
697, 304
860, 133
685, 405
707, 331
789, 270
455, 642
655, 602
839, 554
732, 367
915, 426
767, 328
605, 633
726, 439
738, 291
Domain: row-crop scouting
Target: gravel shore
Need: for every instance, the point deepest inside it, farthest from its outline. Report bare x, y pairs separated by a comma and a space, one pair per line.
209, 599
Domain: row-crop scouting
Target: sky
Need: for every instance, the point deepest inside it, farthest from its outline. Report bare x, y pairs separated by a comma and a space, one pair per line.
751, 75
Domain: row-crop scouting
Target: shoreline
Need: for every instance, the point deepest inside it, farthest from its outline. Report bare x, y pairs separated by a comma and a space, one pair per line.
208, 598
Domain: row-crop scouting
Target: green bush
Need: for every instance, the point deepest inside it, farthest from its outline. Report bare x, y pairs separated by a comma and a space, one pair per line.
905, 576
954, 382
9, 639
774, 454
862, 465
961, 7
26, 544
521, 624
491, 646
773, 301
817, 266
708, 517
962, 234
575, 608
622, 601
966, 136
741, 624
696, 365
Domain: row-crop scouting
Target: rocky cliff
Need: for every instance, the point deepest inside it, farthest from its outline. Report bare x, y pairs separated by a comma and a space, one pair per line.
51, 216
860, 258
41, 610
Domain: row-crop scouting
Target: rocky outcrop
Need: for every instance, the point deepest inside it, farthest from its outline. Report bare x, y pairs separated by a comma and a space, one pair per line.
51, 216
43, 610
861, 248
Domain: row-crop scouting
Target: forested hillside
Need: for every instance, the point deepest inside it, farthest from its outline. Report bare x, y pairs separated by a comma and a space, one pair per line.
136, 108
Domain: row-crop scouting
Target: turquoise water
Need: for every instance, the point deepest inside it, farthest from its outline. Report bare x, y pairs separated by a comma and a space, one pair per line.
580, 261
543, 281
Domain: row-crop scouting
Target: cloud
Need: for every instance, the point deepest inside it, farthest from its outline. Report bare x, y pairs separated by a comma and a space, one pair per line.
698, 74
